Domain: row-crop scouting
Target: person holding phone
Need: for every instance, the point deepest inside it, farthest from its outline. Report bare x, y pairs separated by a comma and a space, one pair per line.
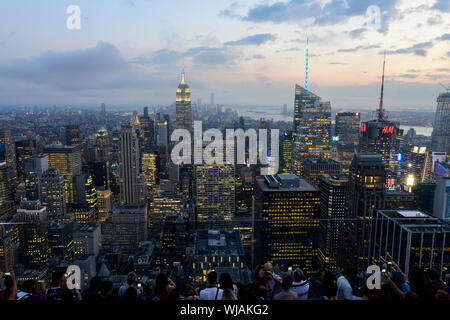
273, 280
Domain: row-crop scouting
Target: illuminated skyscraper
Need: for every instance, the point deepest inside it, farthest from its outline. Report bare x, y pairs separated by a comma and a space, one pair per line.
148, 127
383, 137
314, 168
410, 238
104, 204
103, 145
285, 152
67, 160
333, 207
366, 192
440, 140
149, 168
73, 135
312, 128
34, 247
347, 127
6, 197
286, 229
52, 194
34, 168
125, 228
6, 251
25, 148
415, 165
8, 155
183, 105
215, 193
128, 164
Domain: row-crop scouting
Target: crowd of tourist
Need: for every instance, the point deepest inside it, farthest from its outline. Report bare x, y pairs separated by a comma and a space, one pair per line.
266, 285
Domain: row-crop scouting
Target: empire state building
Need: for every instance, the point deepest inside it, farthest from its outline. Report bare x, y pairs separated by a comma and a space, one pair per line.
183, 105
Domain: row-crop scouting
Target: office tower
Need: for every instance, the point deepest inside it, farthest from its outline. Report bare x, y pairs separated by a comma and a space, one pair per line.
34, 168
215, 193
103, 111
215, 249
6, 251
99, 170
398, 199
344, 155
8, 155
160, 206
6, 197
183, 105
87, 239
383, 137
285, 152
104, 204
34, 248
85, 192
410, 238
25, 148
347, 127
314, 168
103, 145
124, 229
312, 128
162, 130
148, 127
187, 182
67, 160
163, 145
366, 190
73, 135
212, 99
53, 195
128, 164
333, 209
173, 234
441, 208
286, 229
416, 165
440, 139
60, 241
424, 197
149, 168
81, 214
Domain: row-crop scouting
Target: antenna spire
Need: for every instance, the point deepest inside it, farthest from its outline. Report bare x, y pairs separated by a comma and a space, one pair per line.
307, 57
381, 114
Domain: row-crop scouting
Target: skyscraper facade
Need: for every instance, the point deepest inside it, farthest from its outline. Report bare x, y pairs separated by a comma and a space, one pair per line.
34, 247
440, 140
67, 160
333, 209
347, 127
183, 105
286, 222
215, 193
365, 193
52, 195
128, 164
312, 129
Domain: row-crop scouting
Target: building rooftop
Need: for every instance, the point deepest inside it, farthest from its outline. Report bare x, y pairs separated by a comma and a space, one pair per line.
416, 221
218, 243
284, 183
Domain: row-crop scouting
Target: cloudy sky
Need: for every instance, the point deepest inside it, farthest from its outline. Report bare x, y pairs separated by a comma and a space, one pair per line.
129, 53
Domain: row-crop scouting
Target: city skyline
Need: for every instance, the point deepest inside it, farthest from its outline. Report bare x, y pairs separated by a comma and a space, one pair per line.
130, 53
